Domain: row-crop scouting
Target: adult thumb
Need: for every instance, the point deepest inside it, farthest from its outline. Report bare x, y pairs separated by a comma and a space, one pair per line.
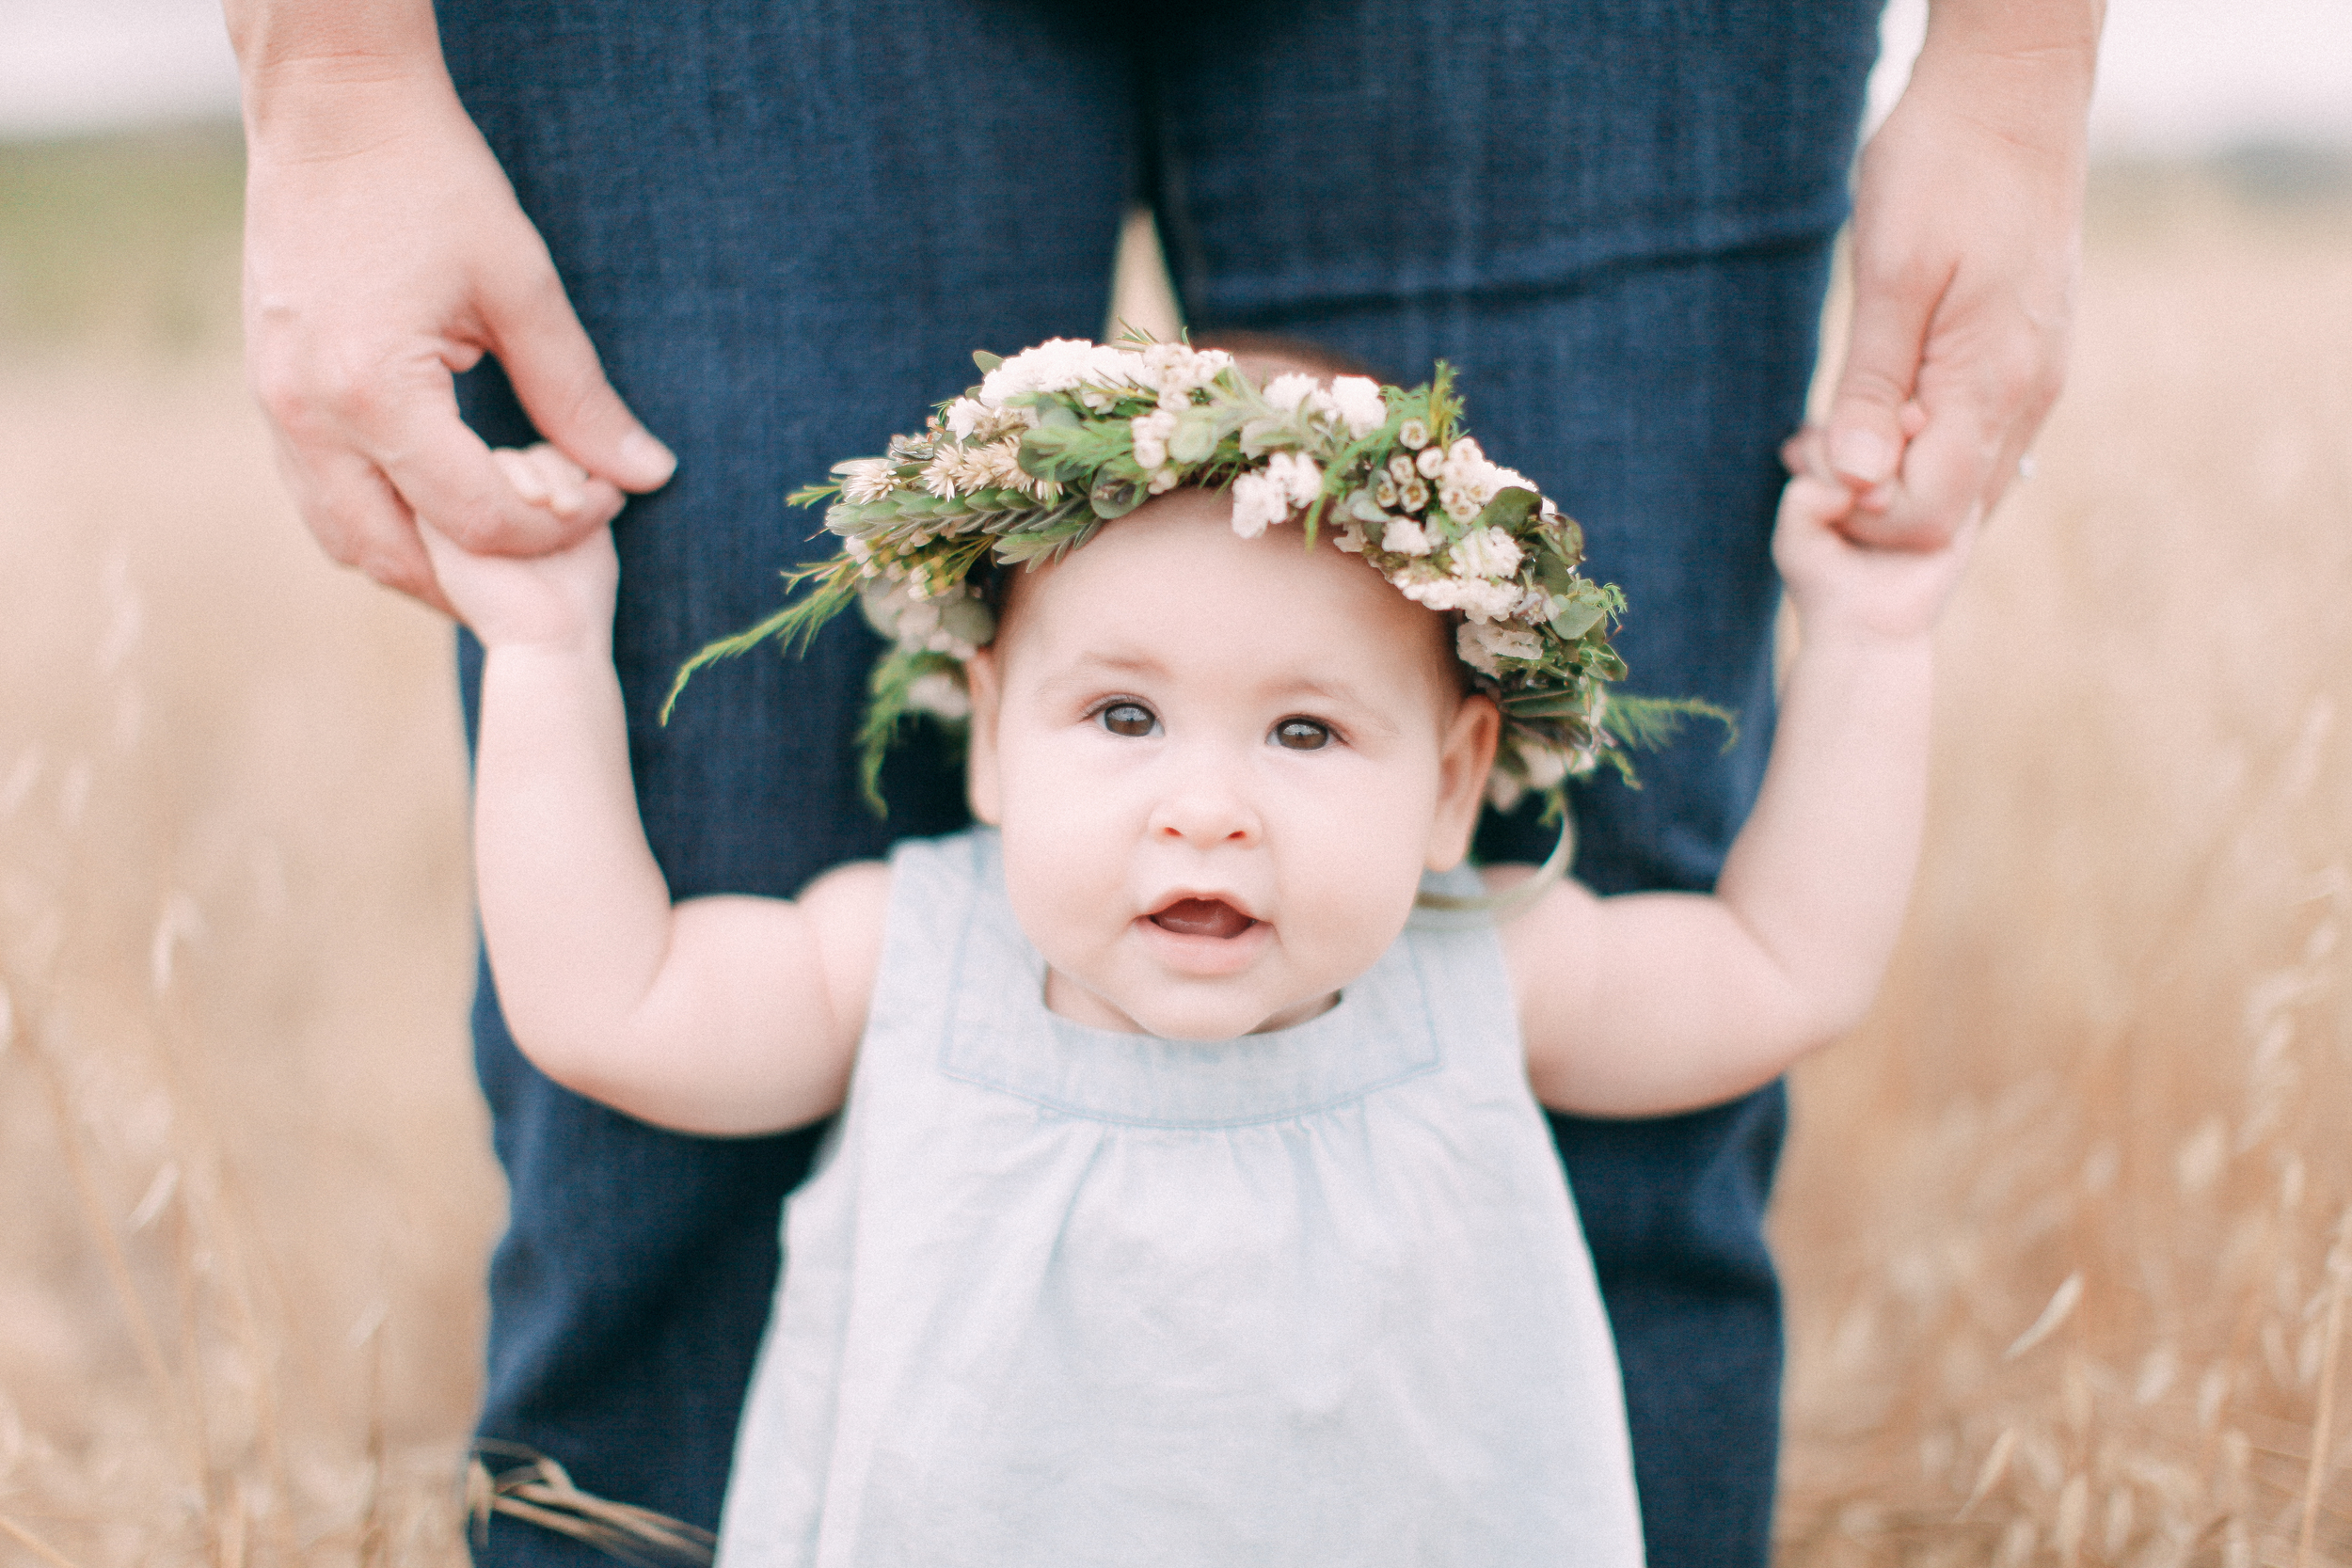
557, 375
1889, 332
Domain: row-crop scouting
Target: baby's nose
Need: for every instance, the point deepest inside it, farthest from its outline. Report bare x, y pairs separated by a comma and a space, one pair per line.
1206, 808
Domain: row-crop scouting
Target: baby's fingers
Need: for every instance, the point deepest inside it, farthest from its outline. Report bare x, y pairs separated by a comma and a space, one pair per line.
546, 478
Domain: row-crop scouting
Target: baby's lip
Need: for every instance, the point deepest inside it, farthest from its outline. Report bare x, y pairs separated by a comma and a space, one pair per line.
1215, 915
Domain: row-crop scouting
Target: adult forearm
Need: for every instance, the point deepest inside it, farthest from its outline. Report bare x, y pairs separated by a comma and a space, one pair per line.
2059, 38
287, 48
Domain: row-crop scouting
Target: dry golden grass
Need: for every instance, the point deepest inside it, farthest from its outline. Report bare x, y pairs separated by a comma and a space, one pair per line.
2064, 1227
2068, 1226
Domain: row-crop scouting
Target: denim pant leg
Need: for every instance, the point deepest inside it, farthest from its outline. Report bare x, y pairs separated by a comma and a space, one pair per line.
1616, 223
786, 227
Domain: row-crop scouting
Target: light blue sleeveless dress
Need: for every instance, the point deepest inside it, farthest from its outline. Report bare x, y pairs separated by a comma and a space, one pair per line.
1064, 1297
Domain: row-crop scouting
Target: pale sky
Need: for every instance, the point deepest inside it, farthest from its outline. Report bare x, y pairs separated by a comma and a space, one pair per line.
2176, 76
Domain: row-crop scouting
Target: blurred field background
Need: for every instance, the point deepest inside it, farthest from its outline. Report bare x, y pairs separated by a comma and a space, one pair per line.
2067, 1226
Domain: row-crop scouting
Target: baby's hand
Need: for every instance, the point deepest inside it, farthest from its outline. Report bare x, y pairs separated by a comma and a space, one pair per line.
562, 598
1835, 581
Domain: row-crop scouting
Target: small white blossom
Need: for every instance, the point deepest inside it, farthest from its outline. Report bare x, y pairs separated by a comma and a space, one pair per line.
1404, 536
1459, 503
1151, 431
1350, 539
1176, 370
1357, 400
964, 416
1383, 490
1482, 645
1057, 365
1545, 767
1163, 481
1258, 502
1476, 597
1414, 435
939, 692
1284, 393
1431, 461
1486, 552
1401, 468
1297, 473
1414, 493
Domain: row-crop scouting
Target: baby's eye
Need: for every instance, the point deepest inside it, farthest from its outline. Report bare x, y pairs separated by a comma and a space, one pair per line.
1302, 735
1128, 719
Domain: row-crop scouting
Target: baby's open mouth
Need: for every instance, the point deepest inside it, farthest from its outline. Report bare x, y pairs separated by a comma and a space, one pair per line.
1202, 917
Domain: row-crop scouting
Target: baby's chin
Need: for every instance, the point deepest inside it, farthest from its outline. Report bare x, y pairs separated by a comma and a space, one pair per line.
1201, 1018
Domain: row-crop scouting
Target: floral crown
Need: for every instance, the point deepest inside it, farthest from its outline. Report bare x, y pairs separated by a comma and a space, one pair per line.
1066, 436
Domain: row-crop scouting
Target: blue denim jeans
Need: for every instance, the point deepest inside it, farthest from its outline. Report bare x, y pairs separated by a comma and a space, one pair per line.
788, 225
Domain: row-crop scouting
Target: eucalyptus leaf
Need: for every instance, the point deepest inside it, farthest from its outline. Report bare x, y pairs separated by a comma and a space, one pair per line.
1575, 618
1113, 497
1509, 509
986, 360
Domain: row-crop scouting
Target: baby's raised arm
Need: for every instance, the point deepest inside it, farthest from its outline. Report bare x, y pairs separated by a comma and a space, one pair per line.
723, 1015
1655, 1003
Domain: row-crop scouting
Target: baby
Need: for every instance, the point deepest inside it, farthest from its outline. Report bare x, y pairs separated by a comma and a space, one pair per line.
1191, 1204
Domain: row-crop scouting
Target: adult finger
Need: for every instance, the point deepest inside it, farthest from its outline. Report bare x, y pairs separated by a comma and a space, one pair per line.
446, 475
360, 521
568, 488
557, 375
1946, 473
1892, 308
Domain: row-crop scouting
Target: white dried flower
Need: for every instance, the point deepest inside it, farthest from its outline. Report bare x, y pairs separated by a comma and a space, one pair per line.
944, 472
1401, 468
1486, 552
1383, 490
1350, 539
997, 466
1358, 404
1459, 503
1413, 433
1404, 536
1258, 502
1431, 461
964, 416
1414, 493
866, 479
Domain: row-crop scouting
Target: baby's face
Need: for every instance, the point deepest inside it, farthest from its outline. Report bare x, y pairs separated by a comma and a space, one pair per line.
1220, 765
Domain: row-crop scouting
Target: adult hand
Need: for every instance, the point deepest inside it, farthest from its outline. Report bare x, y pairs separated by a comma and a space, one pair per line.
1966, 242
560, 600
383, 252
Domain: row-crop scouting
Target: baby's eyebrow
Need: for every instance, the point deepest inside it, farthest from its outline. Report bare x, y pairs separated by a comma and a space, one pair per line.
1092, 662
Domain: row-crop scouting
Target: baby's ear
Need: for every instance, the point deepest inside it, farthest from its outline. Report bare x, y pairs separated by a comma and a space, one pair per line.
1467, 757
982, 788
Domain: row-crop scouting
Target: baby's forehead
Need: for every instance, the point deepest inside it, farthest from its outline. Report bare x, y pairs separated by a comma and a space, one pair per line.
1174, 565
